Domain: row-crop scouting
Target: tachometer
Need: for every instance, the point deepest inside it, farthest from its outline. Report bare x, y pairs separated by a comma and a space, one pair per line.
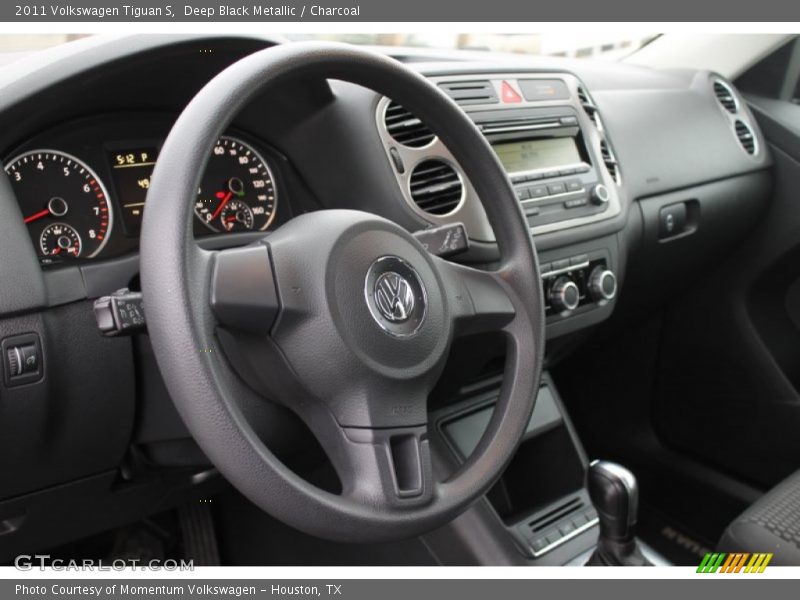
237, 192
64, 203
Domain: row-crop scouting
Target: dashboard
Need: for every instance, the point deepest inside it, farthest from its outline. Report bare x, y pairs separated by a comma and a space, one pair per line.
82, 187
631, 180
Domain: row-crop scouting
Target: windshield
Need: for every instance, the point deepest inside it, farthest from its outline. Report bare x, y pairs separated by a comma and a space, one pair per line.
605, 46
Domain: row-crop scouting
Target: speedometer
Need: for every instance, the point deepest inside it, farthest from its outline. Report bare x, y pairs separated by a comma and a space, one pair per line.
237, 192
63, 202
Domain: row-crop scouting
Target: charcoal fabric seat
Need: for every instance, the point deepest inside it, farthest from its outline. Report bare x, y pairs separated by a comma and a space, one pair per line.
771, 524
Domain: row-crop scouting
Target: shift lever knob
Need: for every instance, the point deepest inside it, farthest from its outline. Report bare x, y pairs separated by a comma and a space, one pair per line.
615, 495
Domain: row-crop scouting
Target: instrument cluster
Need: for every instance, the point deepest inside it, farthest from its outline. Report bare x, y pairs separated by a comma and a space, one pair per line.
83, 190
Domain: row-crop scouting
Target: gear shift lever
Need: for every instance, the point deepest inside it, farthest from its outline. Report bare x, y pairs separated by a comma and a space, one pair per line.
615, 495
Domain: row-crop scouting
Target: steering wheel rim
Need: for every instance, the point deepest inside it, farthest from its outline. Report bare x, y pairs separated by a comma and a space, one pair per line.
188, 326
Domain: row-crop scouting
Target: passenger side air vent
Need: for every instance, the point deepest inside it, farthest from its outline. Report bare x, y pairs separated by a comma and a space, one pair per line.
610, 161
589, 108
725, 96
466, 93
436, 187
746, 137
405, 128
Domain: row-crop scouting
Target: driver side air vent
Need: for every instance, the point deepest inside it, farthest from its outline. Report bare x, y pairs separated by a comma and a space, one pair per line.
405, 128
589, 108
436, 187
746, 137
610, 161
725, 96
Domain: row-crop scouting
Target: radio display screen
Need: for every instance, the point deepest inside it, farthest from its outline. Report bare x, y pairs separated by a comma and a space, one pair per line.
543, 153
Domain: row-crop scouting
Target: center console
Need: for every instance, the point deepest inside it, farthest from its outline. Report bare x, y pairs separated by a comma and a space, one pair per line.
548, 135
540, 504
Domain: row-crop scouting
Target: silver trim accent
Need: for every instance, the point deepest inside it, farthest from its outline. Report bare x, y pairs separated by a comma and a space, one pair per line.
100, 184
628, 480
568, 269
561, 295
456, 170
371, 306
489, 130
739, 115
749, 127
596, 284
565, 539
392, 291
533, 201
269, 172
729, 89
471, 212
20, 366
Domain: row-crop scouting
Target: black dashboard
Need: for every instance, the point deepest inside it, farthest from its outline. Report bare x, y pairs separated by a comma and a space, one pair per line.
642, 174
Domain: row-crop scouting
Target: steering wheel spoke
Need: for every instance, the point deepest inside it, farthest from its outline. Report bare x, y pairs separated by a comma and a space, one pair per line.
243, 292
388, 467
480, 301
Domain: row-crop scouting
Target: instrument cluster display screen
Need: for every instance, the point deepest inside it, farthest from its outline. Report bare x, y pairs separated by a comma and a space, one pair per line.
131, 169
542, 153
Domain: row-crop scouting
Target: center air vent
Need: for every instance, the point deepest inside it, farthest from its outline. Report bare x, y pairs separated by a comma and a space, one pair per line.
746, 137
466, 93
405, 128
610, 161
725, 96
589, 108
436, 187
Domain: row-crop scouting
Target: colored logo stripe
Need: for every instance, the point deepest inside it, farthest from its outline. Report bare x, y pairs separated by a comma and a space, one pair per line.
734, 562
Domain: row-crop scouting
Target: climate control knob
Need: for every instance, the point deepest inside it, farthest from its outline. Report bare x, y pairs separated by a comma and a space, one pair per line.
564, 294
602, 284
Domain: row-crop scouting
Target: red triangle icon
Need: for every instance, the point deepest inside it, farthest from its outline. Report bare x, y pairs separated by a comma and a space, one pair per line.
509, 94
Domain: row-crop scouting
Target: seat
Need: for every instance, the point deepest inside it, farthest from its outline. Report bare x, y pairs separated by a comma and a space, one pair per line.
771, 524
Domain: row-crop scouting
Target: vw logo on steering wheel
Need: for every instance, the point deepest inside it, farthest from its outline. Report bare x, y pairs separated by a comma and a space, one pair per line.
395, 295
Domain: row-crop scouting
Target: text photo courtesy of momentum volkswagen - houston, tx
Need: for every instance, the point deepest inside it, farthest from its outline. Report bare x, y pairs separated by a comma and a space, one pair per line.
394, 299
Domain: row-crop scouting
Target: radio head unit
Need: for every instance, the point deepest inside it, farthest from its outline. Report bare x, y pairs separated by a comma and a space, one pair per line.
544, 152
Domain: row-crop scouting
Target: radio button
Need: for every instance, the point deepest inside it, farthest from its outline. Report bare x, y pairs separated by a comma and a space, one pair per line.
576, 203
549, 174
584, 168
534, 177
523, 194
600, 194
556, 188
518, 179
574, 185
532, 211
538, 191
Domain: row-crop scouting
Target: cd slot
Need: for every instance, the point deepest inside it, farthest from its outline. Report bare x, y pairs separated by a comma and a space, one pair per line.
514, 127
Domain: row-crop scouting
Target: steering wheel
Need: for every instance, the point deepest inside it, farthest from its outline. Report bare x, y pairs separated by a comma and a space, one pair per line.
340, 315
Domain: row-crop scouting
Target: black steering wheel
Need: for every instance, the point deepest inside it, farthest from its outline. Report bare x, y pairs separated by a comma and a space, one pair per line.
342, 316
